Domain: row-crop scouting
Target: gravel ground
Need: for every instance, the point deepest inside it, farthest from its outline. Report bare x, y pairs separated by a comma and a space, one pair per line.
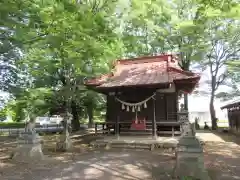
222, 160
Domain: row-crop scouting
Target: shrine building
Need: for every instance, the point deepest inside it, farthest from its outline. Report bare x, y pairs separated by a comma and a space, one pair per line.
142, 95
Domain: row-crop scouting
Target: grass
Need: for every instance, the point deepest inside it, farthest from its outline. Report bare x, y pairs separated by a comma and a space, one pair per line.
223, 121
96, 119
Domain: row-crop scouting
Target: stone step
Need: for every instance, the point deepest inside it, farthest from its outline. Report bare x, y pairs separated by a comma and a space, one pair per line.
140, 146
130, 146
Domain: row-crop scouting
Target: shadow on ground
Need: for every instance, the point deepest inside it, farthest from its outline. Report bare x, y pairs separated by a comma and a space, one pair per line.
98, 165
222, 157
228, 137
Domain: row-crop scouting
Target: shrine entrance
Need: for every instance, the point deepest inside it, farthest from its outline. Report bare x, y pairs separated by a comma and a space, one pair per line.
137, 113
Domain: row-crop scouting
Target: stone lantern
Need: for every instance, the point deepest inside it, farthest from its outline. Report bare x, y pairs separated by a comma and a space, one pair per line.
29, 147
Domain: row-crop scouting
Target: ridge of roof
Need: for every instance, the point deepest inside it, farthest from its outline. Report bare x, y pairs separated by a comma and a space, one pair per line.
144, 59
188, 73
166, 63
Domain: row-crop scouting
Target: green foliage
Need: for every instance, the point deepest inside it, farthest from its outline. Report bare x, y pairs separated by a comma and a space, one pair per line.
233, 73
63, 42
187, 178
50, 47
3, 114
31, 102
11, 18
7, 125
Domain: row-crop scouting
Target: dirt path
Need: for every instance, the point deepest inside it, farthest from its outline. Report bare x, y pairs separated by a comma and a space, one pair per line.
98, 165
222, 155
222, 159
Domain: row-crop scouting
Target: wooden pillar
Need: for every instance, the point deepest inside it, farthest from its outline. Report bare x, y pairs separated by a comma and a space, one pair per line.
154, 126
116, 120
229, 118
177, 105
96, 128
166, 104
103, 128
237, 120
117, 127
177, 99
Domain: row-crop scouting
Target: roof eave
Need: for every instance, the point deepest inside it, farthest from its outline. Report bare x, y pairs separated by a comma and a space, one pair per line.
230, 105
132, 86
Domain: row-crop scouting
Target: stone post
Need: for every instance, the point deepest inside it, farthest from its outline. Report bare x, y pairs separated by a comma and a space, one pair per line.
64, 143
189, 156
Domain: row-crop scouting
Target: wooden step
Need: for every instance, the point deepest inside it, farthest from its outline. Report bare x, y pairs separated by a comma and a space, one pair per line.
169, 132
135, 133
149, 126
126, 129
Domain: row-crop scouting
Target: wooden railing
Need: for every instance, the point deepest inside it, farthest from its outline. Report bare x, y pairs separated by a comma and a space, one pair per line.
178, 116
174, 125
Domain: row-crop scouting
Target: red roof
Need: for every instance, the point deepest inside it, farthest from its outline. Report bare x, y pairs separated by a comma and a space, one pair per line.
144, 71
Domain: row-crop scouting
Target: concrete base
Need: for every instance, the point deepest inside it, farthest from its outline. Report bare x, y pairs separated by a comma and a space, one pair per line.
64, 143
190, 165
28, 153
29, 148
189, 159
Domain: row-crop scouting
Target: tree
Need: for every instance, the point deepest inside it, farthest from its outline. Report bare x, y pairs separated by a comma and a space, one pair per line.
69, 42
159, 27
92, 102
233, 79
223, 46
10, 49
144, 28
186, 36
215, 9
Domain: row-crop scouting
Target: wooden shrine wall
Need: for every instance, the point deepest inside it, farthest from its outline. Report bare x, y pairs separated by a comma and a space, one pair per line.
114, 108
234, 120
111, 113
165, 106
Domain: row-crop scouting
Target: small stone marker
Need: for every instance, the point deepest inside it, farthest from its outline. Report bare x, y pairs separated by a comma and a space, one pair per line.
189, 156
64, 143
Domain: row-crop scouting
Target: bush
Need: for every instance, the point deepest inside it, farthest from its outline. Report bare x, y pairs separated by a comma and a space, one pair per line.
7, 125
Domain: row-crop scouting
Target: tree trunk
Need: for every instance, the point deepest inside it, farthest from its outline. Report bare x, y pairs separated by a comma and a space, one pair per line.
75, 120
90, 115
212, 112
185, 97
185, 66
